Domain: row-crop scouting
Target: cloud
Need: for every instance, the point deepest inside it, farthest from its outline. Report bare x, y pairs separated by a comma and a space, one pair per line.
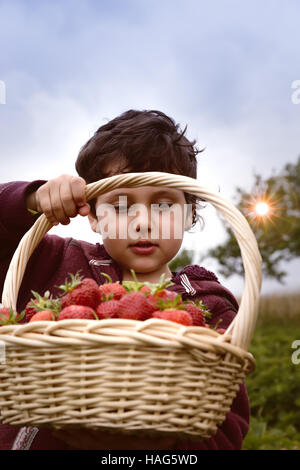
223, 68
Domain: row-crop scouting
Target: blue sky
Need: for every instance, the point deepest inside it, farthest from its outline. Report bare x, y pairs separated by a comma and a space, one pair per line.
224, 68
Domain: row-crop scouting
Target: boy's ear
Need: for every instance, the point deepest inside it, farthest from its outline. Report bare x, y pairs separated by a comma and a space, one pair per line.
93, 222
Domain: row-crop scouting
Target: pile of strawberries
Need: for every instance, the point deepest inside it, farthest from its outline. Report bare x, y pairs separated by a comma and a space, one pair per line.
82, 298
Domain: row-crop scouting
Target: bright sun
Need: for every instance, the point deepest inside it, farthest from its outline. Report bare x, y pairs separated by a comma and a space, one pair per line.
262, 208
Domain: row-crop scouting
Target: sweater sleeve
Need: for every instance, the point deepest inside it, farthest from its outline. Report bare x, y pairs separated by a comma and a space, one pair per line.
15, 219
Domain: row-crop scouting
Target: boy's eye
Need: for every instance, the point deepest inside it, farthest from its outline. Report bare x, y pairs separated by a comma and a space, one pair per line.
164, 206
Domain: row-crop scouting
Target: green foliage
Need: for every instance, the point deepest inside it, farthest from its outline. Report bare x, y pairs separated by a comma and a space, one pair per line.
277, 233
274, 387
261, 437
184, 258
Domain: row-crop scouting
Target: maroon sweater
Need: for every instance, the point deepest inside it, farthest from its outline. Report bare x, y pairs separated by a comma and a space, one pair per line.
50, 264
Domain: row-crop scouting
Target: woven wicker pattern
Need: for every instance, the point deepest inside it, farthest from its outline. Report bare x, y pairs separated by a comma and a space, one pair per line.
126, 375
149, 375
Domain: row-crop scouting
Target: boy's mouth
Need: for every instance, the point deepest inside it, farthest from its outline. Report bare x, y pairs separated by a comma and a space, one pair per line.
143, 244
143, 248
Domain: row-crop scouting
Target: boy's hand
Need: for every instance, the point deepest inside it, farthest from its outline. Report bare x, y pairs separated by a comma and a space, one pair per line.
60, 199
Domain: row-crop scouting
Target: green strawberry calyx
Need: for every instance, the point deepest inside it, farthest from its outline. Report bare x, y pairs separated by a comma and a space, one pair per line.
68, 286
45, 302
110, 281
136, 286
198, 303
168, 304
13, 317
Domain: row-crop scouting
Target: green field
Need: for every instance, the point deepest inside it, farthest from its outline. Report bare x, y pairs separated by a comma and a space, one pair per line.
274, 387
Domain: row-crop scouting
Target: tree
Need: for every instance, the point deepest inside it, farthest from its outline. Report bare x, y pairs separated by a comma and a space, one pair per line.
184, 258
277, 231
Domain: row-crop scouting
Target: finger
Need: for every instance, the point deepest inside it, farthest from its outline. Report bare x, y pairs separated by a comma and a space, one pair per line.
67, 200
84, 210
37, 202
44, 203
78, 186
56, 204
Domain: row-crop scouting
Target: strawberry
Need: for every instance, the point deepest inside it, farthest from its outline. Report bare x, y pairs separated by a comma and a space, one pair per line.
39, 303
8, 316
196, 314
167, 294
44, 315
111, 290
221, 330
145, 289
80, 291
30, 309
152, 291
77, 312
152, 300
178, 316
198, 311
107, 309
163, 296
135, 306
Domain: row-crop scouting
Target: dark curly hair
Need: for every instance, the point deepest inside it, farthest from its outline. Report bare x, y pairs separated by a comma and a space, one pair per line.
146, 140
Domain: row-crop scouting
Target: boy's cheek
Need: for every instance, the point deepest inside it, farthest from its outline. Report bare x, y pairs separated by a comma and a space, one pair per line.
172, 228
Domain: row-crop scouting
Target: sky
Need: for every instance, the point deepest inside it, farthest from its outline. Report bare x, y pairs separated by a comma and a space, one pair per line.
224, 68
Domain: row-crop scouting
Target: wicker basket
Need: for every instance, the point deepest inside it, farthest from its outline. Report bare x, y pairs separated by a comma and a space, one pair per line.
128, 376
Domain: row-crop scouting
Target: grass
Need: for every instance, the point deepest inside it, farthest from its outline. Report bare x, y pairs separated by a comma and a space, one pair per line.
279, 307
274, 387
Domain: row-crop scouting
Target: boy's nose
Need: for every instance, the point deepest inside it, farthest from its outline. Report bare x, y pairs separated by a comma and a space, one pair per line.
144, 223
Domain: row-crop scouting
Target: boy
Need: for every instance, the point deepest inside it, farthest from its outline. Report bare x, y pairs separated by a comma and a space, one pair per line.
133, 142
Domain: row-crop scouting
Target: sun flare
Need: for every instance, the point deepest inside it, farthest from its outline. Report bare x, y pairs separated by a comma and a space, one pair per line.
261, 208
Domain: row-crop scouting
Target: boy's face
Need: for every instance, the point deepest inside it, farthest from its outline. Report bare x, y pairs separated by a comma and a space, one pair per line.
127, 216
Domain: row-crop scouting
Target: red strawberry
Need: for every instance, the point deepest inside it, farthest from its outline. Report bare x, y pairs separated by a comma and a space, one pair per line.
135, 306
111, 290
80, 291
178, 316
196, 314
77, 312
221, 330
163, 295
107, 309
44, 315
30, 309
8, 316
152, 299
39, 303
166, 294
145, 289
198, 311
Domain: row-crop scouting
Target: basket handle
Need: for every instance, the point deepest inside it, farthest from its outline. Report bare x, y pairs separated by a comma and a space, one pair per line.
242, 327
